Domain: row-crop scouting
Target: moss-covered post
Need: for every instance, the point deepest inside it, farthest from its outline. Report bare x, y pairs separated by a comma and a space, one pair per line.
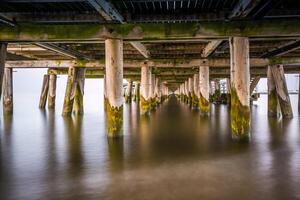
204, 83
128, 95
44, 92
182, 92
3, 48
190, 90
114, 86
152, 91
273, 104
282, 91
196, 91
186, 92
68, 100
137, 91
8, 90
52, 91
78, 91
145, 100
240, 88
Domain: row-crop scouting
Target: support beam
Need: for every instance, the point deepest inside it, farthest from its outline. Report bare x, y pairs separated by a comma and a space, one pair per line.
107, 10
195, 95
210, 48
282, 91
64, 51
151, 31
273, 104
157, 91
292, 46
141, 48
44, 92
69, 98
5, 20
190, 90
145, 99
240, 88
3, 48
114, 86
8, 91
128, 95
152, 91
52, 91
204, 90
137, 91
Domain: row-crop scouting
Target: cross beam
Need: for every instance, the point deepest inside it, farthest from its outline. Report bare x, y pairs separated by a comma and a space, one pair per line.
283, 49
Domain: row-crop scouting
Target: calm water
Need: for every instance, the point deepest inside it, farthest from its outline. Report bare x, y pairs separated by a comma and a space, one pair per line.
173, 154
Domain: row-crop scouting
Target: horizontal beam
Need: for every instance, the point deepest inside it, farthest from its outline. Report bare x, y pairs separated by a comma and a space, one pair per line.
151, 31
283, 49
141, 48
210, 48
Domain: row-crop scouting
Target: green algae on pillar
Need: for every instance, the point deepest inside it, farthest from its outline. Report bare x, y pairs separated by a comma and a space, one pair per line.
204, 104
240, 88
68, 100
273, 104
79, 80
145, 99
44, 92
8, 91
114, 87
52, 91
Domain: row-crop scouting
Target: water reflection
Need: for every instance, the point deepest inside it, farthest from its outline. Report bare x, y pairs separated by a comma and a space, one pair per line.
175, 153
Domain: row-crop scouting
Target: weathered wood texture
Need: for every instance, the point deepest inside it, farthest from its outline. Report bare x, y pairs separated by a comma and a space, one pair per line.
8, 90
3, 48
52, 91
44, 91
273, 104
282, 91
78, 91
254, 83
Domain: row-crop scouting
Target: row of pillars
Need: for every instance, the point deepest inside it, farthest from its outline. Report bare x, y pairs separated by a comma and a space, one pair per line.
197, 89
152, 90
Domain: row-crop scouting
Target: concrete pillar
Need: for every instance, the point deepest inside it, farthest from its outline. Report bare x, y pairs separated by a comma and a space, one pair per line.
240, 88
190, 90
114, 86
3, 48
8, 90
52, 91
186, 91
78, 91
152, 91
196, 91
157, 91
128, 95
273, 104
282, 91
44, 92
204, 83
145, 100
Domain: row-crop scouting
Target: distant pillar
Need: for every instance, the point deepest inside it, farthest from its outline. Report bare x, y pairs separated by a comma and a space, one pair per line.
240, 87
152, 91
8, 90
114, 86
186, 91
137, 91
128, 95
190, 90
52, 91
273, 104
196, 91
204, 104
145, 100
44, 92
3, 48
282, 91
78, 90
157, 91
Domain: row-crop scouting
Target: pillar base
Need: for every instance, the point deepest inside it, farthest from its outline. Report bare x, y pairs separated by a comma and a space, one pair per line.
114, 120
240, 119
195, 101
204, 105
273, 109
145, 106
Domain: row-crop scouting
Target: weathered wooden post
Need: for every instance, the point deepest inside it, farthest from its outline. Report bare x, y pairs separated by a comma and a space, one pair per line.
240, 87
78, 91
204, 104
8, 90
282, 91
128, 95
190, 90
152, 91
52, 91
68, 100
273, 104
145, 100
157, 91
196, 91
114, 86
44, 92
137, 91
186, 91
3, 48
